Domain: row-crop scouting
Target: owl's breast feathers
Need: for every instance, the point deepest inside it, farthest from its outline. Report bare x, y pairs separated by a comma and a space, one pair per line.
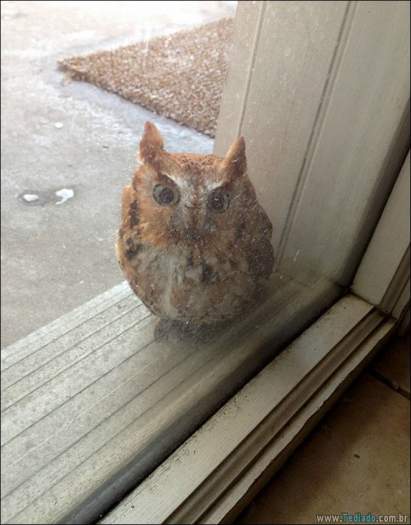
199, 283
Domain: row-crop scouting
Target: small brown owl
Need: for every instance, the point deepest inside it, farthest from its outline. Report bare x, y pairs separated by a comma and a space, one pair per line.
194, 243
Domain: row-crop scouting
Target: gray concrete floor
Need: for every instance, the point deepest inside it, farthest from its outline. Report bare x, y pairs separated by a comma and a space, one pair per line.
356, 460
58, 135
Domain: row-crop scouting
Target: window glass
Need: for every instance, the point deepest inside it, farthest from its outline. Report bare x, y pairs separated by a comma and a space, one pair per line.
190, 177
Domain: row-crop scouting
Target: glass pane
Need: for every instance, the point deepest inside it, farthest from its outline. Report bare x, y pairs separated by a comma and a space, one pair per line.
122, 159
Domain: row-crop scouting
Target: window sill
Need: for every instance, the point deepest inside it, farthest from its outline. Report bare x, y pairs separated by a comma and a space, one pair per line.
219, 469
91, 403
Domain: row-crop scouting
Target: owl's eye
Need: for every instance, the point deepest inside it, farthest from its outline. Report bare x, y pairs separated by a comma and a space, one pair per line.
165, 195
219, 200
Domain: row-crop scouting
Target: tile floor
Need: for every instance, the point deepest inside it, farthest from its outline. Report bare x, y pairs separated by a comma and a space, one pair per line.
357, 459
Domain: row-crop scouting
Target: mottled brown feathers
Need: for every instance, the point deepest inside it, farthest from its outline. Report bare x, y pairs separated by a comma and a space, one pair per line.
234, 163
151, 144
194, 243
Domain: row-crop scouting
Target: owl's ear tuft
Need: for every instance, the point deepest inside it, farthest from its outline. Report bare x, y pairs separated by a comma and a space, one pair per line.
151, 143
235, 162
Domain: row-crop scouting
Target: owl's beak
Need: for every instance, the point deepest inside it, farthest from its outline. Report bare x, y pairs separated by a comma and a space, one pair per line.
193, 218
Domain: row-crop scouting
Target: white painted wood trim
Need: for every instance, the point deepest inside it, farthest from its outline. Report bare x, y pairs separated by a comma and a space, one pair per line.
362, 142
274, 90
403, 303
325, 115
405, 323
384, 270
247, 27
191, 485
278, 450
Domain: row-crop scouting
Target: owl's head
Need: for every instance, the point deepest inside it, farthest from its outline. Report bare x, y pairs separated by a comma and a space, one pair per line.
190, 198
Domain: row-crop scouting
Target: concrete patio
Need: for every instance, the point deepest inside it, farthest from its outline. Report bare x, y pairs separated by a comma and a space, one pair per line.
74, 136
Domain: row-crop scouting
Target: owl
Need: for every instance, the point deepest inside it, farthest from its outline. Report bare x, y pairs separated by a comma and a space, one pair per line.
194, 243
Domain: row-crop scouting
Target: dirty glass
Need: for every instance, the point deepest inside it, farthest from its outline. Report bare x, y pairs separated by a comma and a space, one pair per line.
138, 189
